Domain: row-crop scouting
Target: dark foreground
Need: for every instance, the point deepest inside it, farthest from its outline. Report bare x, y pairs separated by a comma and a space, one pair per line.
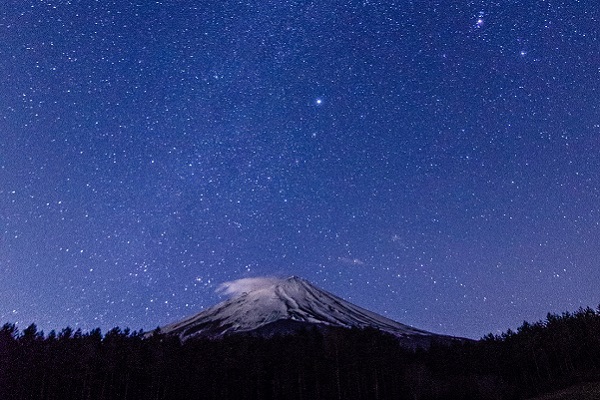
582, 391
562, 351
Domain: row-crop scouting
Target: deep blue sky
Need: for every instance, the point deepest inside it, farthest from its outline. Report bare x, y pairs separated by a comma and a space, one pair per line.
434, 161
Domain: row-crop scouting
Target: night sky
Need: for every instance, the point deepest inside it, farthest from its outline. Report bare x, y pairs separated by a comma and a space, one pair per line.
437, 162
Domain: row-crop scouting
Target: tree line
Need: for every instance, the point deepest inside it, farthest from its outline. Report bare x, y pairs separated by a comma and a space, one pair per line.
312, 364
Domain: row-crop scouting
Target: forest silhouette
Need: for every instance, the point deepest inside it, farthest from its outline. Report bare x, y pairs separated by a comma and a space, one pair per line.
558, 352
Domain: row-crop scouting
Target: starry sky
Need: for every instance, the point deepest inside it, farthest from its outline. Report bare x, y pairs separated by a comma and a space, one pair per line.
437, 162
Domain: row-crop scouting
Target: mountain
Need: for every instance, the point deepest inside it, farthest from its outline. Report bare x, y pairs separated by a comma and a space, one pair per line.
267, 306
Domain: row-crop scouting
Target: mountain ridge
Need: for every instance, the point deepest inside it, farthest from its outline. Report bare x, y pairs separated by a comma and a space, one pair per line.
266, 303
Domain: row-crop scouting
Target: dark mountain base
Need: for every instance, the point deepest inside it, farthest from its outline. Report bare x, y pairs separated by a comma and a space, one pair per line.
290, 327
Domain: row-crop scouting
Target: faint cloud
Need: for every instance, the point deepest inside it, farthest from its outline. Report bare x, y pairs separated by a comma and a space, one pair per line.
246, 285
399, 241
351, 261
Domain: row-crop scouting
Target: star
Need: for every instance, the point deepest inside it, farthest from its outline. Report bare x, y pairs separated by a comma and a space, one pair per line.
480, 21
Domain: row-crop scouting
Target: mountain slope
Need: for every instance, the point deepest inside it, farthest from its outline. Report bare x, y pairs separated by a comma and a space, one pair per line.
286, 305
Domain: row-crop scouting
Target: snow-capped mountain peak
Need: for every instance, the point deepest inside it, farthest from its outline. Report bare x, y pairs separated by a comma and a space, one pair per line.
258, 303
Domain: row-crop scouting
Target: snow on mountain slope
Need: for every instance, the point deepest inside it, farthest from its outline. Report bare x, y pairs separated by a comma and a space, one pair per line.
294, 300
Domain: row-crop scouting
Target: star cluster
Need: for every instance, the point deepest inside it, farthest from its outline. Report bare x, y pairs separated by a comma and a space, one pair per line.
435, 162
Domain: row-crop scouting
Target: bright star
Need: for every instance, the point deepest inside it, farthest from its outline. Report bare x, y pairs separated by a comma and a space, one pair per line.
480, 21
